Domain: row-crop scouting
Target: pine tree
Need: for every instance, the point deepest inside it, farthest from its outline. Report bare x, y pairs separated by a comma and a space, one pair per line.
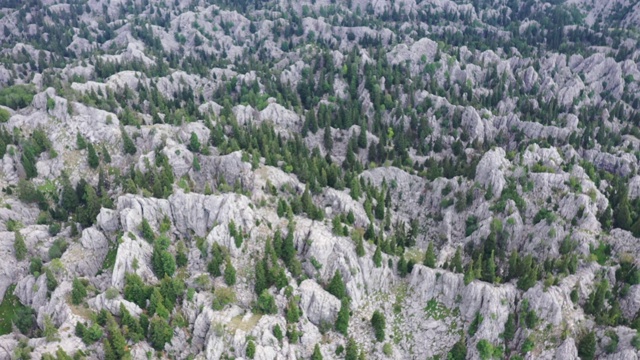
606, 219
360, 247
229, 273
622, 214
93, 158
81, 143
105, 155
362, 137
430, 257
19, 246
378, 323
108, 350
490, 270
377, 257
147, 231
194, 143
336, 286
160, 333
342, 321
78, 292
196, 164
292, 311
402, 266
129, 145
509, 328
288, 252
261, 276
328, 138
351, 351
456, 263
470, 274
317, 354
587, 347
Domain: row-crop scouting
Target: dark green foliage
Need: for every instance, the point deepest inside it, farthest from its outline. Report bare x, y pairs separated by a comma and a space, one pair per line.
78, 292
4, 116
35, 266
266, 303
430, 257
587, 346
251, 349
229, 273
336, 287
456, 263
317, 354
475, 324
277, 332
377, 257
459, 351
135, 290
378, 322
293, 311
485, 349
93, 159
58, 248
402, 268
351, 351
24, 319
129, 145
17, 96
89, 335
147, 231
81, 142
163, 262
510, 328
160, 332
342, 321
106, 157
19, 246
194, 143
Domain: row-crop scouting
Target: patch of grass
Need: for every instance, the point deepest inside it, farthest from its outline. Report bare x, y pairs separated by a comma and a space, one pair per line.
110, 259
237, 323
8, 309
437, 310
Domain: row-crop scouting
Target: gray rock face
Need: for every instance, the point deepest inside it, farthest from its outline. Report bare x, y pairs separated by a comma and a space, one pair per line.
491, 170
85, 258
319, 306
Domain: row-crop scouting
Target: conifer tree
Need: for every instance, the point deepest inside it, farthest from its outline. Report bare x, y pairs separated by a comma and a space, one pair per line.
430, 257
93, 158
336, 286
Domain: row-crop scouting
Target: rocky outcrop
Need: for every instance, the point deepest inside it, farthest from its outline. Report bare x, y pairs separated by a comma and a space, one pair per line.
319, 306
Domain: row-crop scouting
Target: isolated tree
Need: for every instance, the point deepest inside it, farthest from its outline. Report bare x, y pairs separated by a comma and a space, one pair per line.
229, 273
342, 321
106, 157
92, 157
81, 143
336, 286
78, 292
194, 143
430, 257
379, 324
377, 257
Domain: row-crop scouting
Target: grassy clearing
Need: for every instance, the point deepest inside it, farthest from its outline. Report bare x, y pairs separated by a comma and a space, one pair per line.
8, 310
